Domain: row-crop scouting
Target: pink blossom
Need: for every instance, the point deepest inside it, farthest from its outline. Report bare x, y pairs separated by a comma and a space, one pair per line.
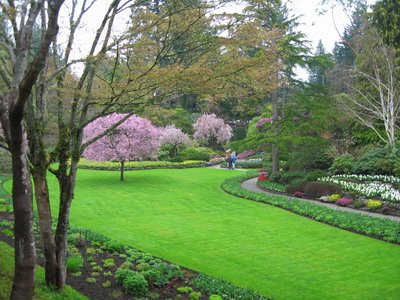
134, 139
174, 137
212, 129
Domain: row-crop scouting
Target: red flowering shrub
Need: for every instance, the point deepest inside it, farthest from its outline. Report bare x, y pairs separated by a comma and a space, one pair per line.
299, 194
344, 202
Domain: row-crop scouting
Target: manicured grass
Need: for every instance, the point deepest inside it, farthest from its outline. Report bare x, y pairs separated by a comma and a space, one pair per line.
41, 290
184, 217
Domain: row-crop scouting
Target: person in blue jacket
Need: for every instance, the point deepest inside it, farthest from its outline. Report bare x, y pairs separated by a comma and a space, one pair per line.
233, 162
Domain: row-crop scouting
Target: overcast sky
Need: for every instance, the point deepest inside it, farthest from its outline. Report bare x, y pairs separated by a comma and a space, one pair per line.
327, 27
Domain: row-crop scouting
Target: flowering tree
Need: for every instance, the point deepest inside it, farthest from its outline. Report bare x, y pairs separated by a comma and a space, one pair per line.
174, 137
213, 130
136, 138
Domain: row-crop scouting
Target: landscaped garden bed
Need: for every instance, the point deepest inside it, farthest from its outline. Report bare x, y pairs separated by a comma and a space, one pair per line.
384, 229
378, 194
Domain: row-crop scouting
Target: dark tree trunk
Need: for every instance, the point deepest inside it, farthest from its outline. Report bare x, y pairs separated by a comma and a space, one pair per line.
275, 148
45, 222
275, 158
122, 171
67, 185
25, 254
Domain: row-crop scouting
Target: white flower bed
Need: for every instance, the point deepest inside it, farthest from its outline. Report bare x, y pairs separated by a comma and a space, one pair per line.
383, 190
382, 178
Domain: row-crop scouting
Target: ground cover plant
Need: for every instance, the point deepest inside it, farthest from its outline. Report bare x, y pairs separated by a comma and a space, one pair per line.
184, 217
41, 290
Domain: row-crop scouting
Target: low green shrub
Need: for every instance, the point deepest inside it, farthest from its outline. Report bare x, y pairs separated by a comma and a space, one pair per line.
108, 263
91, 280
177, 159
276, 176
107, 274
219, 286
358, 204
74, 263
107, 284
374, 204
198, 156
97, 269
215, 297
90, 251
195, 295
126, 265
121, 274
185, 289
114, 246
135, 284
314, 175
342, 164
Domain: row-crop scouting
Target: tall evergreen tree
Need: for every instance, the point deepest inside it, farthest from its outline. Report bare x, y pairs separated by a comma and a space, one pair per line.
321, 63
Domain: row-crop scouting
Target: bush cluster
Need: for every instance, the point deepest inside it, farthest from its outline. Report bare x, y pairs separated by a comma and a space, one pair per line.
376, 161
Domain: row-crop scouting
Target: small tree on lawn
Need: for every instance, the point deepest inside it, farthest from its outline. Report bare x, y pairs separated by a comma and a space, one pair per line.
175, 138
213, 130
134, 139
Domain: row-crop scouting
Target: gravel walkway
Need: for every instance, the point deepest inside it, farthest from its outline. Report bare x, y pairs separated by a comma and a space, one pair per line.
251, 184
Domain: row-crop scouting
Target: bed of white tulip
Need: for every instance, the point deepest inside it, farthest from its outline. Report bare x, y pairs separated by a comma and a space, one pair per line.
383, 189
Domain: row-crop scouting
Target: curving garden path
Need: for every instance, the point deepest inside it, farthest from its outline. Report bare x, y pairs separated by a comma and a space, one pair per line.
251, 185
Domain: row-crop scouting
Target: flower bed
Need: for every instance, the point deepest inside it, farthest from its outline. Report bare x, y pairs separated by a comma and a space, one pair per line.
384, 191
245, 164
138, 165
384, 229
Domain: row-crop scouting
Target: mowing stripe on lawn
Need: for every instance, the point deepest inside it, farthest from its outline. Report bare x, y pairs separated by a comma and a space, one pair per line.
184, 217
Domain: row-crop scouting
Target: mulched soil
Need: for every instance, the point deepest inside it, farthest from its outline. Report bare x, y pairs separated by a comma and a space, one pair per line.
96, 290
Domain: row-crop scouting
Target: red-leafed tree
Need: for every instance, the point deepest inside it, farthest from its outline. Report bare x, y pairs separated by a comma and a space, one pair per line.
212, 130
175, 138
135, 139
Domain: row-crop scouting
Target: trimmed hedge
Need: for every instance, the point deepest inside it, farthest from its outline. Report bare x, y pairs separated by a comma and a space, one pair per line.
384, 229
138, 165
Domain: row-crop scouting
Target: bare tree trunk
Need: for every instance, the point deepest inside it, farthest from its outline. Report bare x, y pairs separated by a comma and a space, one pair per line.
275, 149
67, 186
25, 253
122, 171
45, 223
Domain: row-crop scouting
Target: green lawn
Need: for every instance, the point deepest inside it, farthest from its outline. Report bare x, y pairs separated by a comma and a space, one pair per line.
184, 217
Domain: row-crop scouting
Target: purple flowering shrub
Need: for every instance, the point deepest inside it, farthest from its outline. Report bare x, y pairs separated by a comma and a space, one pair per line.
344, 202
260, 123
245, 154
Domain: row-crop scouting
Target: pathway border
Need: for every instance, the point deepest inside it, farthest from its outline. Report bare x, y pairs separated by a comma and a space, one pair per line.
251, 185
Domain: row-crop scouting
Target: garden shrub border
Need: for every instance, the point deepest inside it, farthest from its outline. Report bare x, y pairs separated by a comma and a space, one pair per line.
138, 165
379, 228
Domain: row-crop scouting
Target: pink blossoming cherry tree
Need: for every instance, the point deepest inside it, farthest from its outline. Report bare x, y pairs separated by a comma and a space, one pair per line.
135, 139
213, 130
174, 137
